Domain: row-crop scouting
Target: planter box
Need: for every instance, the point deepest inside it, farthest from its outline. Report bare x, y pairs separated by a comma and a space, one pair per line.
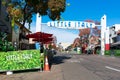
21, 60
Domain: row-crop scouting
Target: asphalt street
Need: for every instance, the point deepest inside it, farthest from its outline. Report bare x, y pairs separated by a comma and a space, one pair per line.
91, 67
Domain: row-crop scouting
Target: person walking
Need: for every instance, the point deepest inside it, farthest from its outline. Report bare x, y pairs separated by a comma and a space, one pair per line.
41, 48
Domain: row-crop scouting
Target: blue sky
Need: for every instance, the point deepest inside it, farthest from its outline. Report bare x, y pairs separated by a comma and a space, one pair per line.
81, 10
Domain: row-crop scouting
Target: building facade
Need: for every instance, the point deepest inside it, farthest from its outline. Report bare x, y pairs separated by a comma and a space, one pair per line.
114, 33
5, 21
115, 36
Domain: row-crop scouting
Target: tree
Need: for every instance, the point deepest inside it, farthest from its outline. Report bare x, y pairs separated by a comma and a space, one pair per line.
22, 10
76, 43
90, 36
84, 35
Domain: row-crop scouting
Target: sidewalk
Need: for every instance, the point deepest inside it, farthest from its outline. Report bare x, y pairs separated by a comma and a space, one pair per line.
54, 74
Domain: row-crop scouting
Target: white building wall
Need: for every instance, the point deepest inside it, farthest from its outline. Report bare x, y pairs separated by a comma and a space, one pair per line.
113, 32
117, 27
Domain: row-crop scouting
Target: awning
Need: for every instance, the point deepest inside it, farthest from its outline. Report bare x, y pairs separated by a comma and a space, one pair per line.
41, 37
43, 40
115, 44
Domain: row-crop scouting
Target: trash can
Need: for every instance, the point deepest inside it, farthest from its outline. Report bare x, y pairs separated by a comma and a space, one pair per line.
37, 45
78, 50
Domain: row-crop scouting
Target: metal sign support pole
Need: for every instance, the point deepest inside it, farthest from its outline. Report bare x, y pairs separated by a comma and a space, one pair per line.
103, 28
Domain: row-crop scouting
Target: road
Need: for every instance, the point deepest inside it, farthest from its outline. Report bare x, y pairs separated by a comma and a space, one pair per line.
89, 67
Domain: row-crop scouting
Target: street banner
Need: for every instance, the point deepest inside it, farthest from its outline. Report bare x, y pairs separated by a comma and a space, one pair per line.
20, 60
71, 24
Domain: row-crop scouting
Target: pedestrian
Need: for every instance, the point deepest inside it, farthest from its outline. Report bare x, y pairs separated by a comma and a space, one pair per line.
41, 48
112, 52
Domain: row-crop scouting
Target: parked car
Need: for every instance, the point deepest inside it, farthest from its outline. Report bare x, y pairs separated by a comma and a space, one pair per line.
54, 52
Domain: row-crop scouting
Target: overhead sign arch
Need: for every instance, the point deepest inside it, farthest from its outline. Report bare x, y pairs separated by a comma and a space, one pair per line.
82, 25
71, 24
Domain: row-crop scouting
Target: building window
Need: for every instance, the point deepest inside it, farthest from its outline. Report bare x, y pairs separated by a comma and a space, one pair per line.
114, 39
113, 28
7, 18
110, 35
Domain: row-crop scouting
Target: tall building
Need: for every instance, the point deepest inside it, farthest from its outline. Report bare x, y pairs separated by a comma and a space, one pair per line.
5, 25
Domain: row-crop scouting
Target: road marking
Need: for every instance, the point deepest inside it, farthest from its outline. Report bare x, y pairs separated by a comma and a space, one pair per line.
73, 61
76, 61
81, 59
112, 68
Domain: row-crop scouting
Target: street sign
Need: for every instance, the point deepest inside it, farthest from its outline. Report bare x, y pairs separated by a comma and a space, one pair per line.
71, 24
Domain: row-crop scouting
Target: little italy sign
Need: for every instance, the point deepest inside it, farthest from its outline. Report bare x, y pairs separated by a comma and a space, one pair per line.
71, 24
